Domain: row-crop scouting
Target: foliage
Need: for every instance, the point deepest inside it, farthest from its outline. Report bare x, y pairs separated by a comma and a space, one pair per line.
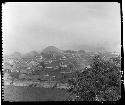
14, 75
102, 80
42, 64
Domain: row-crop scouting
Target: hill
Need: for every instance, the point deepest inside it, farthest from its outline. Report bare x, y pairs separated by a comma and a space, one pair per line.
52, 49
31, 54
52, 61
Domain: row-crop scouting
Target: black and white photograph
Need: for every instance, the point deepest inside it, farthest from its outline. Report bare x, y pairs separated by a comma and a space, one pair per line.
61, 51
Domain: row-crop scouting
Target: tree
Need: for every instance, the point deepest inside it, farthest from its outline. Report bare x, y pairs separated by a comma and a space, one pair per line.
13, 75
102, 80
42, 64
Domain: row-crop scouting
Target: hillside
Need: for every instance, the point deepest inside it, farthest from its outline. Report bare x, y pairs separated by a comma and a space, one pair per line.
51, 60
52, 49
51, 64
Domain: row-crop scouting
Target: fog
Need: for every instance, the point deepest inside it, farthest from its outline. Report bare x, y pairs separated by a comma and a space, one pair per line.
34, 26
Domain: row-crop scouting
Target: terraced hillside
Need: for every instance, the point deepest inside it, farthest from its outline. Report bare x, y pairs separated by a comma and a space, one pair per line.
51, 62
50, 66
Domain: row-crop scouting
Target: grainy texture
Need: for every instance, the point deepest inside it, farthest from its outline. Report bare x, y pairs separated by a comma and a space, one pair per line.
18, 93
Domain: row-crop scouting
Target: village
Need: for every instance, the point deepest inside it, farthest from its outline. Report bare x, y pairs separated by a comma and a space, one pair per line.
34, 83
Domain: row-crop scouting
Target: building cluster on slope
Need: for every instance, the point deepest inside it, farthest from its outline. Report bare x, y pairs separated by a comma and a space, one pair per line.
62, 65
28, 65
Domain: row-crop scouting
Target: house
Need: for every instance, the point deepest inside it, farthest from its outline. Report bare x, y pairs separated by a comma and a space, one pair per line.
5, 77
46, 85
7, 82
41, 57
57, 67
49, 67
62, 64
62, 86
63, 58
88, 66
23, 71
46, 75
22, 76
32, 63
64, 72
53, 76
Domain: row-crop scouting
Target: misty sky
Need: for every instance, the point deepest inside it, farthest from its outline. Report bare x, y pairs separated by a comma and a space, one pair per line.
34, 26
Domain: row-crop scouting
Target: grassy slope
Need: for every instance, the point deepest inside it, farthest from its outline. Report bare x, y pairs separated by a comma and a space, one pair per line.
16, 93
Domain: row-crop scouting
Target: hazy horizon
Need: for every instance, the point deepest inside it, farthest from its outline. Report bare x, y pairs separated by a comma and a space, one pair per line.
65, 25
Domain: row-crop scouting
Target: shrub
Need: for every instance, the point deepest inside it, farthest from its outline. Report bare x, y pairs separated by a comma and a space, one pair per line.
96, 81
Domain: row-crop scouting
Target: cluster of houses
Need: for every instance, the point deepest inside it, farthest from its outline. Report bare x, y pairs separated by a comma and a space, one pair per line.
27, 66
36, 83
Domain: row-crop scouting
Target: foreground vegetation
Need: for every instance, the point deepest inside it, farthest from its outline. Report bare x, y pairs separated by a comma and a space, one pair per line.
101, 82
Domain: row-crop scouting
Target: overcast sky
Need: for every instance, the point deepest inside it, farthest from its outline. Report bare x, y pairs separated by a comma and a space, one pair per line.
34, 26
